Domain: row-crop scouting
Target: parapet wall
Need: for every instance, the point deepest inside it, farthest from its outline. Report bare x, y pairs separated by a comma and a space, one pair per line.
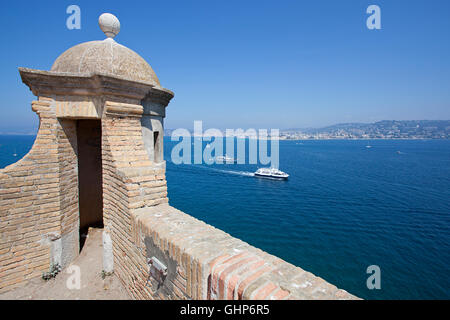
206, 263
39, 202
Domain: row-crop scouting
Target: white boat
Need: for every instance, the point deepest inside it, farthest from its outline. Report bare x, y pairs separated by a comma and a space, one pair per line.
271, 173
225, 159
368, 147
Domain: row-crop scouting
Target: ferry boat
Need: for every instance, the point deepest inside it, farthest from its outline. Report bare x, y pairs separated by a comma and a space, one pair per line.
271, 173
225, 159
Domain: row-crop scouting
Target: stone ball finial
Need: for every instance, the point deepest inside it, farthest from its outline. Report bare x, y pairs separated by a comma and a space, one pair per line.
109, 24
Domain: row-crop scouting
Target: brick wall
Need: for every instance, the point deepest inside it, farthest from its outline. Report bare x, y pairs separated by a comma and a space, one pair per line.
29, 205
130, 180
68, 190
207, 263
39, 201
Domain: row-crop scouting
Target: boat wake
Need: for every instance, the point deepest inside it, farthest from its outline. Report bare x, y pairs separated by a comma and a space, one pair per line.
206, 167
240, 173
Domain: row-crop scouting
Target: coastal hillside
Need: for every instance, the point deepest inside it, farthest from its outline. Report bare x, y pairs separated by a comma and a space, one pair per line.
386, 129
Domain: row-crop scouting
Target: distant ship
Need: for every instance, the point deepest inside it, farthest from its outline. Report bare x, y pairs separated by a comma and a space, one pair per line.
368, 146
225, 159
271, 173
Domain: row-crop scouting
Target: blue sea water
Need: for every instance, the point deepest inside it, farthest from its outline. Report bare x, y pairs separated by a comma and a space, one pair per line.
345, 207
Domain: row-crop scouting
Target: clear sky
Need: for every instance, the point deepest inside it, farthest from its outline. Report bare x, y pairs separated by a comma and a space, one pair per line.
245, 63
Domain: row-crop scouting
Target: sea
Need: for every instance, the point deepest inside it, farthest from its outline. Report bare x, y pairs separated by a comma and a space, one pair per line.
347, 205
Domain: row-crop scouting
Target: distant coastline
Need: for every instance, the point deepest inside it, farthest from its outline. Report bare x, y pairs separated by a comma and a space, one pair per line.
381, 130
18, 133
269, 138
339, 139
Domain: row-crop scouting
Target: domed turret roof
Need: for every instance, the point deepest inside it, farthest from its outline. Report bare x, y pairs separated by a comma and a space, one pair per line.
106, 57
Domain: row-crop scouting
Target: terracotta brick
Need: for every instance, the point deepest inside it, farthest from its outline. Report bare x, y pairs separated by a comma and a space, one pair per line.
234, 280
225, 291
249, 279
265, 291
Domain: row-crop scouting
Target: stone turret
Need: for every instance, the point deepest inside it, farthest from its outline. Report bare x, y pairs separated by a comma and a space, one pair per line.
104, 69
98, 153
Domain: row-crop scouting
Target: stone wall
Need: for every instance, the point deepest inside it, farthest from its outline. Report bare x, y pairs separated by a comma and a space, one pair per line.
68, 192
33, 192
130, 181
206, 263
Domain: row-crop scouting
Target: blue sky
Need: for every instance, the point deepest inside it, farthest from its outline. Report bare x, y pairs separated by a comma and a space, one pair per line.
261, 64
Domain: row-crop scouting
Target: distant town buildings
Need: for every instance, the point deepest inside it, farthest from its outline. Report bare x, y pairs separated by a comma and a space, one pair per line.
387, 129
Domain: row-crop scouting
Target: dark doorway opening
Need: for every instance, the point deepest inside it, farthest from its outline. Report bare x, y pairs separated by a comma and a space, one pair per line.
90, 191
